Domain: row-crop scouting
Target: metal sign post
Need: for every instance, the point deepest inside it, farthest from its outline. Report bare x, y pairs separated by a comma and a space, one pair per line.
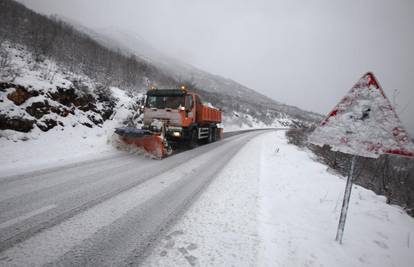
345, 203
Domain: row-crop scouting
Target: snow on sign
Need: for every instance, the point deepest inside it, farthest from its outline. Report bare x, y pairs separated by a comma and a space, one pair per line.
364, 123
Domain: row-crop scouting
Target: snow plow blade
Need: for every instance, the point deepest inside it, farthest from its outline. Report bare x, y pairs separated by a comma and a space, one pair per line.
152, 143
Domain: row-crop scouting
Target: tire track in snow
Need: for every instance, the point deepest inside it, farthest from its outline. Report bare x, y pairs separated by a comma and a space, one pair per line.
25, 229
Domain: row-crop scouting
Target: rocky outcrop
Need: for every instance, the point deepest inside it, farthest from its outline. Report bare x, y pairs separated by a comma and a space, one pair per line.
39, 109
16, 123
19, 95
95, 107
46, 125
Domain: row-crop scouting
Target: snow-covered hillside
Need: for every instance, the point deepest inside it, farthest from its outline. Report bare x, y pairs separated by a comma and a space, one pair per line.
50, 114
242, 121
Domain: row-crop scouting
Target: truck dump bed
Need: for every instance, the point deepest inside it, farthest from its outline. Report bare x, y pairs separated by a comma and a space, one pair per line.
206, 114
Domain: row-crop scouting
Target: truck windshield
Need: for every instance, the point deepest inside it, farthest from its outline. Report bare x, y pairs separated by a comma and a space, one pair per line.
173, 102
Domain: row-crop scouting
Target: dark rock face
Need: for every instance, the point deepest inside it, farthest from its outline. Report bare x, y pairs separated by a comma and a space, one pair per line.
38, 109
87, 124
107, 100
16, 123
61, 111
20, 94
4, 86
64, 96
107, 113
46, 125
88, 106
95, 119
69, 99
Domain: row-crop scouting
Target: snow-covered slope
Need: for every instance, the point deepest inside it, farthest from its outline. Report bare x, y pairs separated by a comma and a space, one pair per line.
241, 121
48, 114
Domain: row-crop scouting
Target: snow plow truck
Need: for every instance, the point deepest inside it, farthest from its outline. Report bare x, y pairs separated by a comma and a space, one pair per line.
173, 118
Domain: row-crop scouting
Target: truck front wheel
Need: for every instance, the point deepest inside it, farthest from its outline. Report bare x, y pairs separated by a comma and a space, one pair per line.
193, 139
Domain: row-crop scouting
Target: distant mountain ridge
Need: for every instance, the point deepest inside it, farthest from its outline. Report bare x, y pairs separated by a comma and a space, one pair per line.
133, 44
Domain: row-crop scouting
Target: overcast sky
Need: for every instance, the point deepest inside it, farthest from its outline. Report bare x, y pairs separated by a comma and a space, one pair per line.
305, 53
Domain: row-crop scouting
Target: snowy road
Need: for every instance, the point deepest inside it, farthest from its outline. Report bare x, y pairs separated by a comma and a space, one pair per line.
106, 211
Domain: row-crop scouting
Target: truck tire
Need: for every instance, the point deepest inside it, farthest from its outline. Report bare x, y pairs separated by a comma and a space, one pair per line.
193, 139
211, 135
218, 136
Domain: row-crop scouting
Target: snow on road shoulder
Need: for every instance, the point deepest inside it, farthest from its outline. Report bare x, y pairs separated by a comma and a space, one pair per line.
53, 148
240, 121
220, 228
300, 206
273, 205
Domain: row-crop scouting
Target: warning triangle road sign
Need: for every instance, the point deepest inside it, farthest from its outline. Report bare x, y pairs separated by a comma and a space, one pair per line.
364, 123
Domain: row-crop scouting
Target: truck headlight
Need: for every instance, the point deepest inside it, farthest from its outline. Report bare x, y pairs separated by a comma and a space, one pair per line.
176, 134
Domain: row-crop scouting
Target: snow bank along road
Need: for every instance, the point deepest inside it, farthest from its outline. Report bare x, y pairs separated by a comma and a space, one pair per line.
103, 212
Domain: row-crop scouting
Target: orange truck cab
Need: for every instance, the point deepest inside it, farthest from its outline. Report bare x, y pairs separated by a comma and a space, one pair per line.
181, 116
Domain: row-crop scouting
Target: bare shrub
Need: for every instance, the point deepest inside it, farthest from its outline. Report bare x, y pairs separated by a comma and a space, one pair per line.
5, 59
7, 72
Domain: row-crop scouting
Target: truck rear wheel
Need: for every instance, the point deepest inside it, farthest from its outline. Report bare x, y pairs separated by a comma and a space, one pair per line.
211, 135
217, 134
